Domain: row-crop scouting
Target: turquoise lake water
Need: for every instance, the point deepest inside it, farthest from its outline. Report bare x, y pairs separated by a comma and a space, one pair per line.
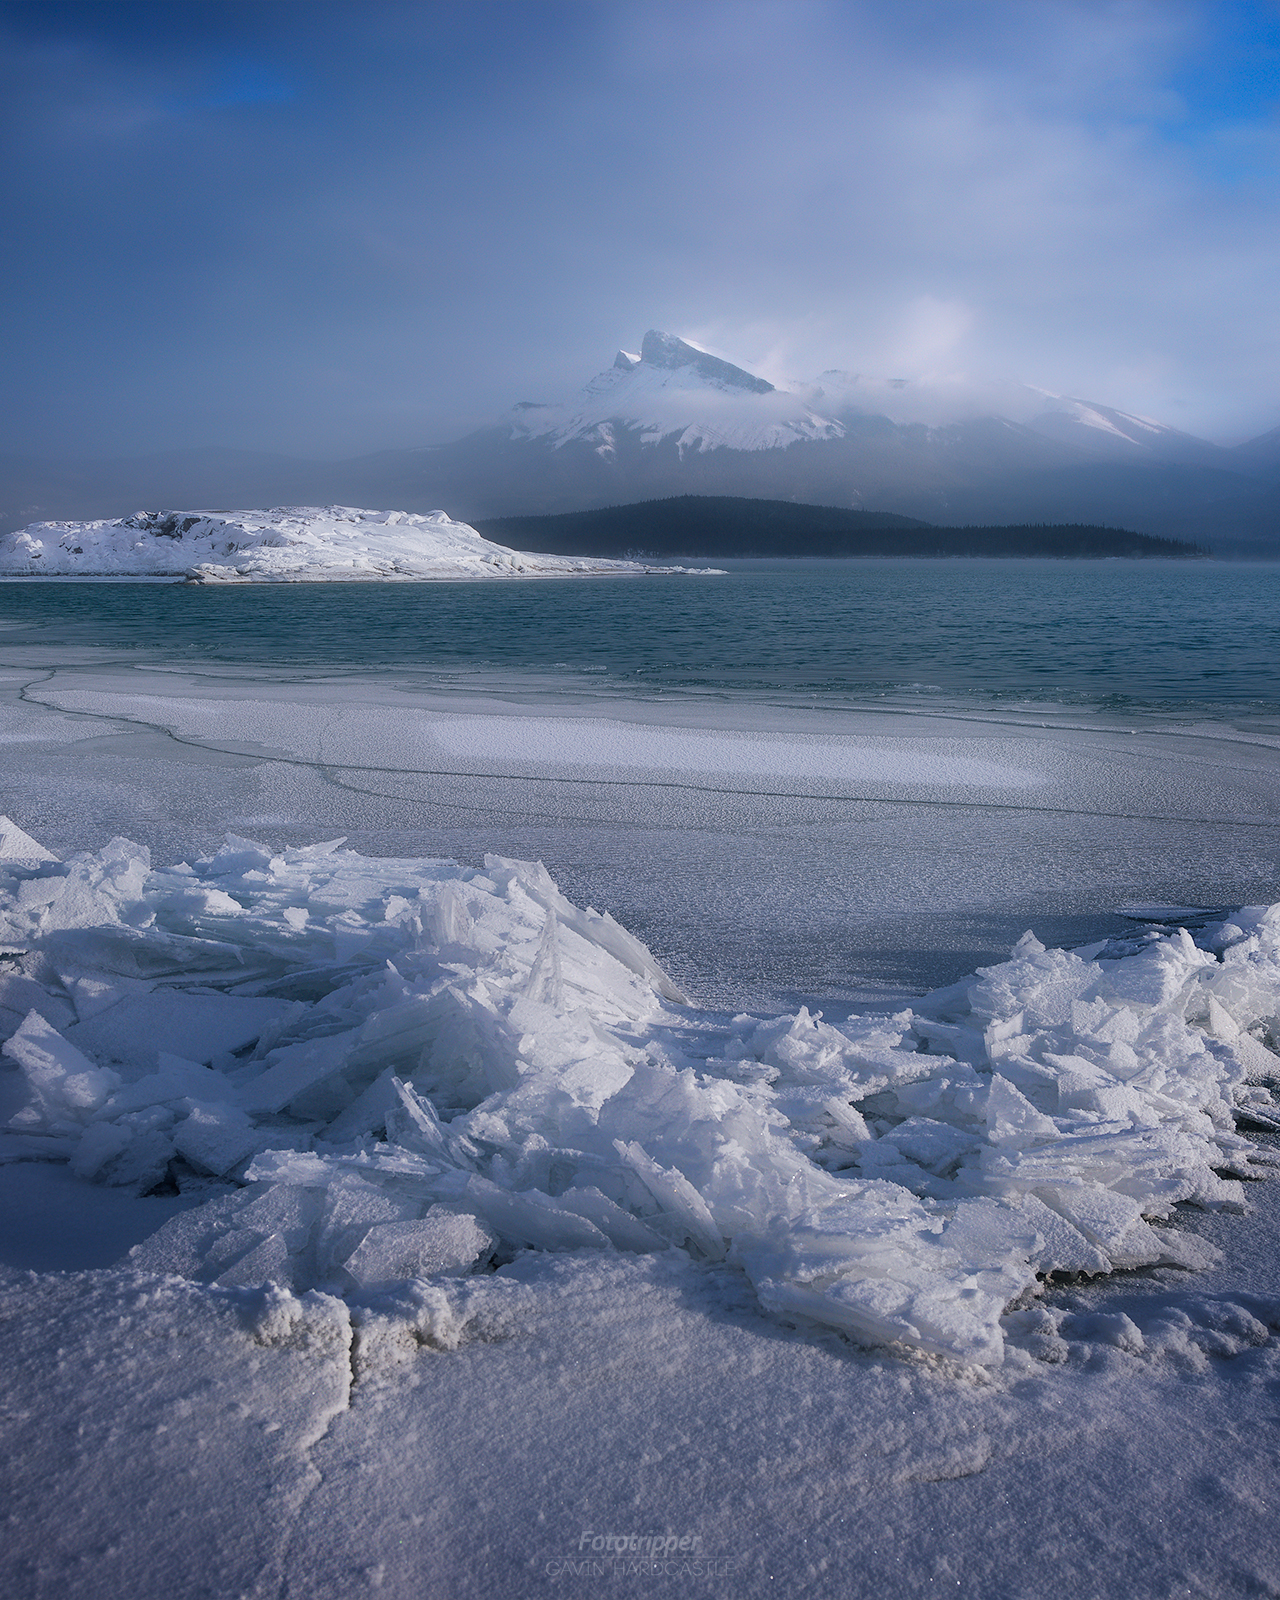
1135, 706
1160, 635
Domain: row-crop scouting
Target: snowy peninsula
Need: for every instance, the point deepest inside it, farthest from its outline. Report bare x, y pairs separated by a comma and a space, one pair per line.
290, 544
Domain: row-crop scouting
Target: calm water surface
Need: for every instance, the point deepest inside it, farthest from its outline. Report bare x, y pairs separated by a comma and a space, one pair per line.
1163, 635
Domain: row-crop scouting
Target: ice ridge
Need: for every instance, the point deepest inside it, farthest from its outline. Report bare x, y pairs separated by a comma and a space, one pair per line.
399, 1069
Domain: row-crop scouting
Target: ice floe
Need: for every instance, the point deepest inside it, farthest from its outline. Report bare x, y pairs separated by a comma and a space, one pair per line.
389, 1070
290, 544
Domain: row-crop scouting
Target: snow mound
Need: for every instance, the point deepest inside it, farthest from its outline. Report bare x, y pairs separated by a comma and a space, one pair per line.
289, 544
404, 1068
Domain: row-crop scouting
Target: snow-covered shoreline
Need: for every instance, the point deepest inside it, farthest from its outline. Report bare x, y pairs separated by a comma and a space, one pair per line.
289, 544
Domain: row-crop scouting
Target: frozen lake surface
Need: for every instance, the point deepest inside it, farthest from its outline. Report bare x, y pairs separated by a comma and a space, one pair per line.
833, 785
845, 780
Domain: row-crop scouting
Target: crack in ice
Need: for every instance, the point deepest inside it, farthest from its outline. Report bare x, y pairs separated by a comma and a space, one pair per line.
325, 769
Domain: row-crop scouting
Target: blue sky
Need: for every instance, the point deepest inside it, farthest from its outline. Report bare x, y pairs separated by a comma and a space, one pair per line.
327, 228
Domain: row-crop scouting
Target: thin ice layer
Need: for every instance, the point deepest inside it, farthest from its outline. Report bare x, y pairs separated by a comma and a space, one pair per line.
406, 1065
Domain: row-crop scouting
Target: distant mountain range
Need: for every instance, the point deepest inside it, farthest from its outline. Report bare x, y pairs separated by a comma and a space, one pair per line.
672, 420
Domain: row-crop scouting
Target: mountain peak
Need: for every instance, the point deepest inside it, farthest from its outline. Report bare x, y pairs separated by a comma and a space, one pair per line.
666, 350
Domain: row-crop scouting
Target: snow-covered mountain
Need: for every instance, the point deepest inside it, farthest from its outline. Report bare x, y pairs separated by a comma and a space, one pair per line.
1086, 424
673, 419
674, 389
293, 544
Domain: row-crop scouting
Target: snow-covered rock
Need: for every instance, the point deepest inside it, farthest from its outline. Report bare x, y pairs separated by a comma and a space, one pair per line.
288, 544
405, 1067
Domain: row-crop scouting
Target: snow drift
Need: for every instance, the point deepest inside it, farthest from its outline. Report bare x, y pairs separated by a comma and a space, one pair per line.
289, 544
404, 1068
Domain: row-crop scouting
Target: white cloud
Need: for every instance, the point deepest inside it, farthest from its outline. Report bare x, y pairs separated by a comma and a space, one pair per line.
441, 223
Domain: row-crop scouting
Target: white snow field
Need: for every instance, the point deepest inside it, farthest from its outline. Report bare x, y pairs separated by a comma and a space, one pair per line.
483, 1263
290, 544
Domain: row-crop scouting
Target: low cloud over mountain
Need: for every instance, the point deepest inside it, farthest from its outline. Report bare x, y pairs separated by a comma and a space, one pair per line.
675, 419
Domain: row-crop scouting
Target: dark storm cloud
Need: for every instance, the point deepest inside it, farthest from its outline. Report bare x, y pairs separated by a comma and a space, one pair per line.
332, 227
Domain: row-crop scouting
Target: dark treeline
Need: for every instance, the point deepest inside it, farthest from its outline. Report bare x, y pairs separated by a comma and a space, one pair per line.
724, 526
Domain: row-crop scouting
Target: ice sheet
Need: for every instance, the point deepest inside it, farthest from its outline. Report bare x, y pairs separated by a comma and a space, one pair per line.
349, 730
414, 1061
593, 742
758, 888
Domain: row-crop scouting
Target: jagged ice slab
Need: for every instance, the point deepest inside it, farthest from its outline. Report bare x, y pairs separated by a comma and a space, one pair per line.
399, 1069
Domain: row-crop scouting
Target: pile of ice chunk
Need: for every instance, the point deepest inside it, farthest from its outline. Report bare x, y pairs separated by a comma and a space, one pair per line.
402, 1068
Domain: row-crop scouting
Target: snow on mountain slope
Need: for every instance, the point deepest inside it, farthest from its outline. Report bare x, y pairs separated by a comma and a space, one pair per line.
673, 419
289, 544
930, 402
673, 387
1104, 429
944, 401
